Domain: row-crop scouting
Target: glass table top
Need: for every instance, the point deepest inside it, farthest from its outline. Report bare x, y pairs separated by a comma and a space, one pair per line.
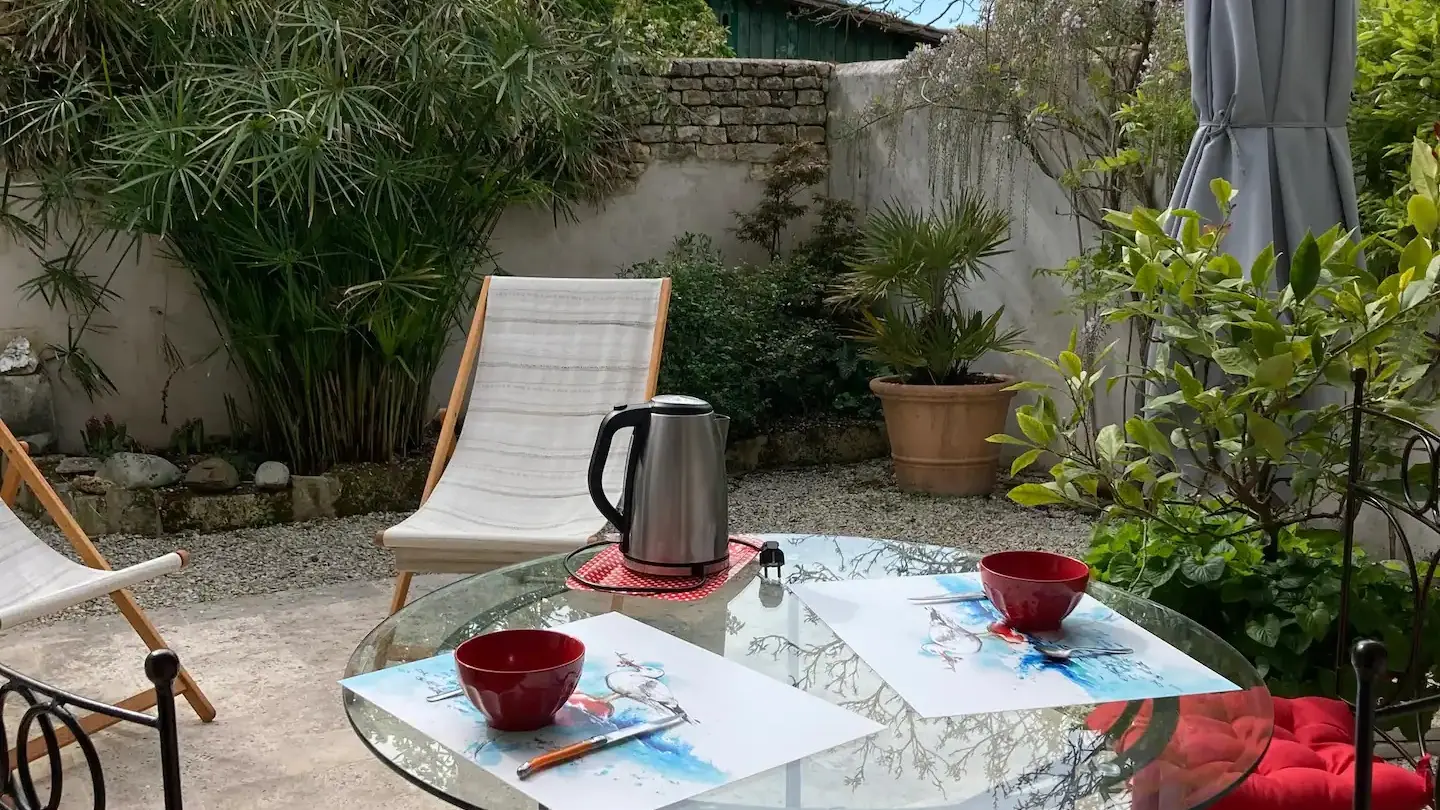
1146, 754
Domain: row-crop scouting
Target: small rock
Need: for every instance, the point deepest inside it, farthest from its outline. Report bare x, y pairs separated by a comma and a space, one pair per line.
272, 476
17, 358
90, 485
78, 465
139, 471
212, 475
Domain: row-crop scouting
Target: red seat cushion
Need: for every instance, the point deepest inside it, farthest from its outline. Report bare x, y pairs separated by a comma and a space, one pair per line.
1309, 764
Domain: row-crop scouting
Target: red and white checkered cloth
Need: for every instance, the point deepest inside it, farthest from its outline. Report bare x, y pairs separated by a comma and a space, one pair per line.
608, 568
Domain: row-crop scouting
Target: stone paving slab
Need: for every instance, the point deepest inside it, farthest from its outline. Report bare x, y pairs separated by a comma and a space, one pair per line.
270, 665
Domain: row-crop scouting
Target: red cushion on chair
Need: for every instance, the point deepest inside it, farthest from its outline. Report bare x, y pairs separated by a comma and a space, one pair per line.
1309, 764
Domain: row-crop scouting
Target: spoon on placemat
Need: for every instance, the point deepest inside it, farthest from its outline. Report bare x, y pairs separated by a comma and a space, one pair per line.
1067, 653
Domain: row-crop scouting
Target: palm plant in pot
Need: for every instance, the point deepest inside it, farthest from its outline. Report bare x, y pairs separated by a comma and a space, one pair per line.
908, 278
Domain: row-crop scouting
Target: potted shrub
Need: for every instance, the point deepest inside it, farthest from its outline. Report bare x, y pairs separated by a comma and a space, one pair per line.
909, 276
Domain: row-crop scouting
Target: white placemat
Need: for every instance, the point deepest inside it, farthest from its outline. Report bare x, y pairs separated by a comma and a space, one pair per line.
958, 658
742, 722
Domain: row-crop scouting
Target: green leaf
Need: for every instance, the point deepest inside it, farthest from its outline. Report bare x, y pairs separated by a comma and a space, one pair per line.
1146, 276
1275, 372
1070, 363
1416, 255
1027, 385
1223, 191
1144, 433
1034, 429
1146, 223
1315, 622
1190, 233
1128, 494
1024, 460
1423, 214
1202, 571
1001, 438
1422, 167
1270, 436
1189, 386
1265, 632
1035, 495
1110, 442
1305, 267
1262, 267
1120, 219
1235, 361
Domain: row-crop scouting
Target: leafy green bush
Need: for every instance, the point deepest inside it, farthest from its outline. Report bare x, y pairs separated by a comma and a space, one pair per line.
672, 28
757, 342
658, 28
1243, 396
1280, 614
328, 171
1397, 98
908, 277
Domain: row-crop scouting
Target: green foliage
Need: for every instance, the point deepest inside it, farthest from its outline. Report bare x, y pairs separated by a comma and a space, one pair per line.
1244, 393
908, 276
328, 171
794, 171
189, 439
672, 28
104, 437
1397, 98
756, 342
1281, 614
760, 343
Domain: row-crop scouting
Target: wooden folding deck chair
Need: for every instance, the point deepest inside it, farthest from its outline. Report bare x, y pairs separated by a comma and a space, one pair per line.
557, 355
36, 581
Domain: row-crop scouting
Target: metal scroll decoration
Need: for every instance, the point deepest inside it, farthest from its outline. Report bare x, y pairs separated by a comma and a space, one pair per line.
1416, 495
51, 712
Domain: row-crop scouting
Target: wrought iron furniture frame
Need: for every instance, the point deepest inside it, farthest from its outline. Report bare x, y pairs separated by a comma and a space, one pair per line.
1369, 657
46, 705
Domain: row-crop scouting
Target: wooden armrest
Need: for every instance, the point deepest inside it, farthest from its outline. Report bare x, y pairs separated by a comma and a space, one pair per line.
10, 481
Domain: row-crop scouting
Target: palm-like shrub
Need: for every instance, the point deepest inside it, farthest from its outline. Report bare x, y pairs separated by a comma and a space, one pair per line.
329, 171
909, 275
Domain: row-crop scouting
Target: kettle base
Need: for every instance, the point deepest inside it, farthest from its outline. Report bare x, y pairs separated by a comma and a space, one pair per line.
677, 569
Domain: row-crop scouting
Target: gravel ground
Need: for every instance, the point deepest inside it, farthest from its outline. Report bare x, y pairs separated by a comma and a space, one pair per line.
858, 499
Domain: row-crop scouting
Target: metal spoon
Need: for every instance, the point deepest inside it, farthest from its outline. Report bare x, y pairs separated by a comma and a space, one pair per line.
1066, 653
436, 698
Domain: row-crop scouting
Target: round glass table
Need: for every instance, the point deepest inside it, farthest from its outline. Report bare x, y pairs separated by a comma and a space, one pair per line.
1147, 755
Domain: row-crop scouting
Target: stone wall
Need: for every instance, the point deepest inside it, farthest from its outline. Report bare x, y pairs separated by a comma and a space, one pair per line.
740, 110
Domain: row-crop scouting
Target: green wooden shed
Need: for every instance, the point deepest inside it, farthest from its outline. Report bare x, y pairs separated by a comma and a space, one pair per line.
824, 30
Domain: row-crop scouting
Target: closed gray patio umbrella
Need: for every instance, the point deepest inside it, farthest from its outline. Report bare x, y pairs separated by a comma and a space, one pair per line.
1271, 82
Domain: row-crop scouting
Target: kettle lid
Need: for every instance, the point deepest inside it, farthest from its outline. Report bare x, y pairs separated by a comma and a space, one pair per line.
680, 404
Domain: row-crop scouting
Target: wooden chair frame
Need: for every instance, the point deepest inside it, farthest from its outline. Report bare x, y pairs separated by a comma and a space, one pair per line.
459, 396
21, 469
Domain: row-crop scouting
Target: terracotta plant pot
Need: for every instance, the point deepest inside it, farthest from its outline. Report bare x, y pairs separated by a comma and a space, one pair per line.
937, 434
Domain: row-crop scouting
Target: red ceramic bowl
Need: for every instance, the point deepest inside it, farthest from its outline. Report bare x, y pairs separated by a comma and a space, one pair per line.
519, 679
1033, 590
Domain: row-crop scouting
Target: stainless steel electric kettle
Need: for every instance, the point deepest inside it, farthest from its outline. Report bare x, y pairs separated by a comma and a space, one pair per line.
673, 519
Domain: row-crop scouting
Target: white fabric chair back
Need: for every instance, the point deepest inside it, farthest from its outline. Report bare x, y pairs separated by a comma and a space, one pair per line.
555, 356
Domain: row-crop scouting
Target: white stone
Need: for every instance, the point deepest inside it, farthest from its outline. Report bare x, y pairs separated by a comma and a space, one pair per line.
272, 476
17, 358
139, 471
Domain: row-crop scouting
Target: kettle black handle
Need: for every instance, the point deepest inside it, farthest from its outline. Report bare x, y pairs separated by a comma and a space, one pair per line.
634, 416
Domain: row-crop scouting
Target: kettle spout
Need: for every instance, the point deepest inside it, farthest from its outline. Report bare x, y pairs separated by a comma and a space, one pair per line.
722, 430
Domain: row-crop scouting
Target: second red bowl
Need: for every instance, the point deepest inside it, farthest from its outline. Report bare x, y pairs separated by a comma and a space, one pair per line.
1033, 590
519, 679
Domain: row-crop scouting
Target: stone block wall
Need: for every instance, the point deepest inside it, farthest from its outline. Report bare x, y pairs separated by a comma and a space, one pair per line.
740, 110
